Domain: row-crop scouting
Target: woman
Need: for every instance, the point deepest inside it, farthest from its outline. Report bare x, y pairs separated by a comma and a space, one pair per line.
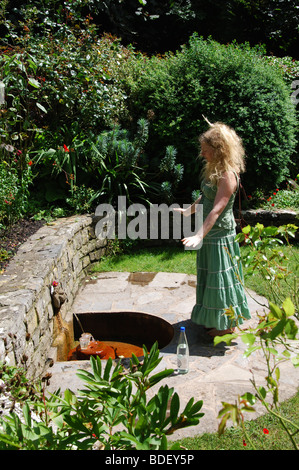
219, 273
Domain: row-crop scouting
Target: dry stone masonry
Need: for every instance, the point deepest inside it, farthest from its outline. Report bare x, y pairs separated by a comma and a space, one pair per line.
33, 328
59, 253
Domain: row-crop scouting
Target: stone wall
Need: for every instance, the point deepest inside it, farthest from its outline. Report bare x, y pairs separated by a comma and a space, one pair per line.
275, 218
29, 325
32, 331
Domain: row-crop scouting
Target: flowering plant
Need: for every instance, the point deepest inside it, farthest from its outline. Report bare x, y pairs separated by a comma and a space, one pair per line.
276, 334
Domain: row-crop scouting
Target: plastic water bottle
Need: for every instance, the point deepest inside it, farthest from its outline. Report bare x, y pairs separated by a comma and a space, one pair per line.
183, 352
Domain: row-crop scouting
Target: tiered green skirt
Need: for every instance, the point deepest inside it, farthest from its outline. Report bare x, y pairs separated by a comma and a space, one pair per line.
219, 282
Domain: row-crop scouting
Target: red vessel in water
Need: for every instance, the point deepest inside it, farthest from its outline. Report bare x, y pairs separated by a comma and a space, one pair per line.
104, 350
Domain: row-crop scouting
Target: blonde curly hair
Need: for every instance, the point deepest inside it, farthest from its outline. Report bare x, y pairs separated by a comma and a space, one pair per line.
228, 150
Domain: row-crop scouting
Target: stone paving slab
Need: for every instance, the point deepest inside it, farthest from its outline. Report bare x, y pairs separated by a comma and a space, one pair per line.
216, 374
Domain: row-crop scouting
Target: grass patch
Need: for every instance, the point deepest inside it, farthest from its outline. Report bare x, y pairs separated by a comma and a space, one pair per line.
233, 438
177, 259
154, 259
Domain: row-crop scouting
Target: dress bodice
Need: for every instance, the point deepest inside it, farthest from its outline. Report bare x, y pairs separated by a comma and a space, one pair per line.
226, 219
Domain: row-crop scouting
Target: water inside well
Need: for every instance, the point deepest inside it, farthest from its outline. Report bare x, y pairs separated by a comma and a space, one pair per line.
118, 334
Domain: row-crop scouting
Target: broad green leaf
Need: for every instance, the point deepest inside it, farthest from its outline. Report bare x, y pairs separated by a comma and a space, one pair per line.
222, 424
225, 338
27, 414
278, 329
33, 82
248, 338
288, 307
96, 365
262, 392
277, 373
196, 407
69, 396
270, 231
275, 310
249, 397
295, 361
251, 350
273, 351
291, 329
240, 237
107, 369
174, 408
188, 406
246, 229
154, 379
40, 106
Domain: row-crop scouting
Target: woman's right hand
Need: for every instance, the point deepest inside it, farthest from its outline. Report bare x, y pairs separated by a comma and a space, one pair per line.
181, 211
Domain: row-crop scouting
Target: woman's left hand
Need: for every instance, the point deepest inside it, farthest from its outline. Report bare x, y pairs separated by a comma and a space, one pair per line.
193, 241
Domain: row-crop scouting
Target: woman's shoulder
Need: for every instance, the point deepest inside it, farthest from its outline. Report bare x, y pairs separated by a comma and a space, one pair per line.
231, 179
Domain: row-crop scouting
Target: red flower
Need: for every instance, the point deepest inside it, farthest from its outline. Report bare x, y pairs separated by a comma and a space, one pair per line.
274, 194
65, 148
55, 284
244, 443
265, 431
30, 162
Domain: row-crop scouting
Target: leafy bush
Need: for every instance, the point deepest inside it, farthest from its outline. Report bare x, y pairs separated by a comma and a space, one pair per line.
121, 166
112, 412
65, 87
285, 198
60, 84
15, 180
269, 261
229, 83
62, 88
276, 333
276, 336
118, 160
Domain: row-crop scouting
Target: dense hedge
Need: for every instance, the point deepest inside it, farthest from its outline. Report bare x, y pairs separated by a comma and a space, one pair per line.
76, 106
229, 83
61, 92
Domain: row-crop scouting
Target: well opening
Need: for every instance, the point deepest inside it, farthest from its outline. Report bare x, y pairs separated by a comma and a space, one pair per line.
117, 334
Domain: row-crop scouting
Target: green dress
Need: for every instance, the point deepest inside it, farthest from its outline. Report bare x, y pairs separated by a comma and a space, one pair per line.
219, 270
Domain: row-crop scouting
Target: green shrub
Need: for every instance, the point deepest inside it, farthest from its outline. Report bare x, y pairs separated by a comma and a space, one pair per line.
60, 84
229, 83
14, 190
60, 92
284, 199
113, 412
121, 167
